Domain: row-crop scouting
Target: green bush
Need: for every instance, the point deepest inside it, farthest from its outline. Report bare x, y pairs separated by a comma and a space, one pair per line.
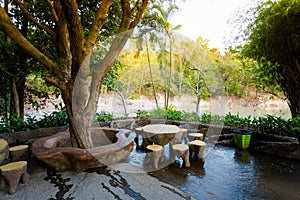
103, 117
12, 124
268, 124
55, 119
190, 117
173, 114
142, 114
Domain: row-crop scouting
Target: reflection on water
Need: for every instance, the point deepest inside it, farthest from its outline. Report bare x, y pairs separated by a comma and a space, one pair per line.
230, 173
242, 156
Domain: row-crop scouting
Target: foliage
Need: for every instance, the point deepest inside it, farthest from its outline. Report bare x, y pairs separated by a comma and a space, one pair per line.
37, 90
12, 124
142, 114
274, 42
103, 117
173, 114
268, 124
55, 119
190, 117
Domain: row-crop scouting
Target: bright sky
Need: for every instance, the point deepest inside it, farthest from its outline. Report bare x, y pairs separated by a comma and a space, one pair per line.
207, 18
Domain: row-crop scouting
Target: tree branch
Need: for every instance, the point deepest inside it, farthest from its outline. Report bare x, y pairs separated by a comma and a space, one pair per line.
196, 69
126, 15
54, 82
34, 20
75, 30
141, 10
96, 26
52, 11
15, 35
101, 70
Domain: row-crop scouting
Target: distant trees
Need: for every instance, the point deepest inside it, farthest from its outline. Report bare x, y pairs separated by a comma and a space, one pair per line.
274, 42
196, 70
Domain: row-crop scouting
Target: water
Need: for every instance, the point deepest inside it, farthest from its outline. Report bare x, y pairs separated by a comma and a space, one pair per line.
230, 173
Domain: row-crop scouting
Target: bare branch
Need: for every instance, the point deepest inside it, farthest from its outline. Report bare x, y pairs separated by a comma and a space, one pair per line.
126, 15
34, 20
104, 67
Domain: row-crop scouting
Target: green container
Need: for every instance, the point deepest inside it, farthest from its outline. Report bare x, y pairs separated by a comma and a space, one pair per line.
242, 138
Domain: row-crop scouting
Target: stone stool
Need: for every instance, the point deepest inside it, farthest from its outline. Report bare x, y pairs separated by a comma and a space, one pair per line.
196, 148
154, 153
12, 173
18, 152
196, 136
4, 150
181, 150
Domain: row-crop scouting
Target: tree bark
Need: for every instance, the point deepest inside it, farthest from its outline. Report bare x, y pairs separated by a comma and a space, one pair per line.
15, 97
21, 93
293, 96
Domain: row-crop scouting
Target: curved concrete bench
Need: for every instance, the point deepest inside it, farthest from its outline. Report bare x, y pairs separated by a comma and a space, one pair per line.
112, 146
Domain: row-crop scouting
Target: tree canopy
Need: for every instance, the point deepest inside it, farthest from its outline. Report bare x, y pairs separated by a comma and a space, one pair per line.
274, 41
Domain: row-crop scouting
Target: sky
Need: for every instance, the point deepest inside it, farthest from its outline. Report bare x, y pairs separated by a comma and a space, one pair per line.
207, 18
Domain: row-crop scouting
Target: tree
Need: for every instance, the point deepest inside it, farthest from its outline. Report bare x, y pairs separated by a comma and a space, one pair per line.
165, 28
274, 41
145, 33
74, 27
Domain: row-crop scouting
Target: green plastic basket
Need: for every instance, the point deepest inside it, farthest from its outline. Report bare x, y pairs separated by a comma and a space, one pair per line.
242, 138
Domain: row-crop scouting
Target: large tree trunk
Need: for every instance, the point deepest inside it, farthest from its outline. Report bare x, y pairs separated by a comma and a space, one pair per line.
293, 96
17, 97
74, 135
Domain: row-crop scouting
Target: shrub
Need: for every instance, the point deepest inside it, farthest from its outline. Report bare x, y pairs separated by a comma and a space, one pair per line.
103, 117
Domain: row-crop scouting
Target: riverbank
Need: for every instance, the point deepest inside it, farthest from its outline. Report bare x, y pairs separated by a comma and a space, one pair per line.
261, 105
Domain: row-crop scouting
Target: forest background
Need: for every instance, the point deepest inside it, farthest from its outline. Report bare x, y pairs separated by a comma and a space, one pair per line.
158, 64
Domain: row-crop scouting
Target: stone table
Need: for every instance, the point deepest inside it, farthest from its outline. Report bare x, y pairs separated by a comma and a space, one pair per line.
160, 134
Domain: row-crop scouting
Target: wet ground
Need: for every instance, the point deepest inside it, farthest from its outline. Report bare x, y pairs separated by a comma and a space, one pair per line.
229, 173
